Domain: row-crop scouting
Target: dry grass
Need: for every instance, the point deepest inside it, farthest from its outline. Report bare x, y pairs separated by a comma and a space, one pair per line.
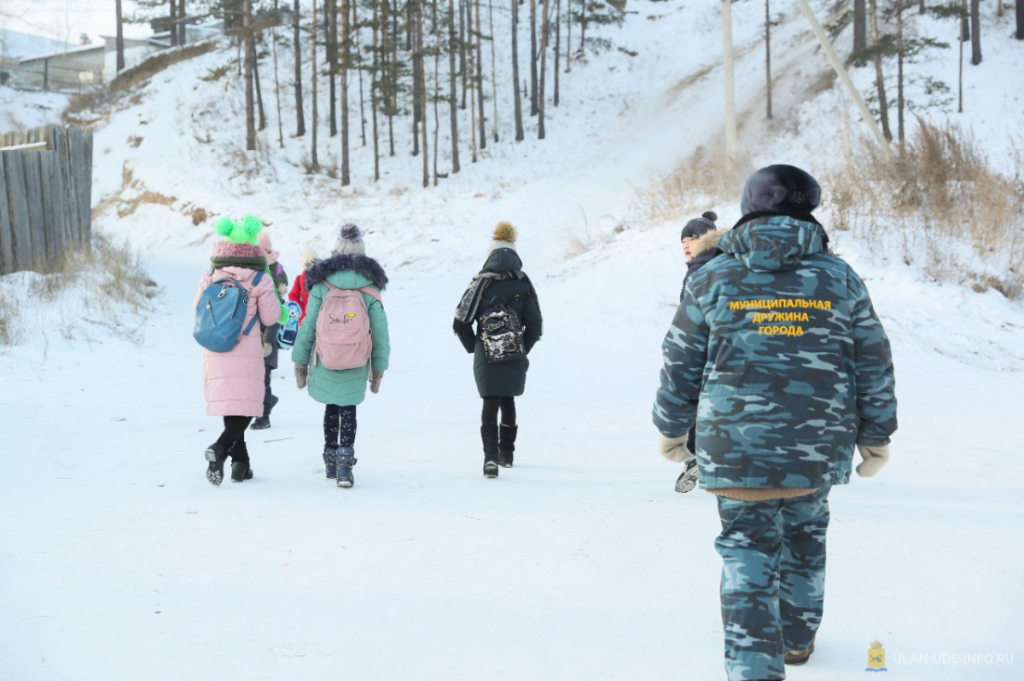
129, 78
694, 185
10, 321
962, 220
119, 293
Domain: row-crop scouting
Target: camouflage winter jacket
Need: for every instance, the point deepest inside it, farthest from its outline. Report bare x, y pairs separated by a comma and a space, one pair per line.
778, 343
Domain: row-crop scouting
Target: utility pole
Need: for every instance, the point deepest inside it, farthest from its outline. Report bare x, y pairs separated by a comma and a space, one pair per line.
730, 84
844, 76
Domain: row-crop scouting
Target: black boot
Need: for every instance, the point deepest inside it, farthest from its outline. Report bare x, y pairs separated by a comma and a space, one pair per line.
331, 462
260, 423
346, 459
216, 454
489, 435
506, 444
240, 469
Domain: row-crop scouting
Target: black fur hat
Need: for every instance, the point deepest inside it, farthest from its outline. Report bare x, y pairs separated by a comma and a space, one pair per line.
698, 227
780, 189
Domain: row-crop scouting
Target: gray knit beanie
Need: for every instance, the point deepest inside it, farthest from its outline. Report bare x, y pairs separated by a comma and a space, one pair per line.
350, 241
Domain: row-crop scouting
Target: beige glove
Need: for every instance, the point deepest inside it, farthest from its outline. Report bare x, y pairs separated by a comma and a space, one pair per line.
674, 448
282, 290
375, 377
874, 458
301, 374
267, 349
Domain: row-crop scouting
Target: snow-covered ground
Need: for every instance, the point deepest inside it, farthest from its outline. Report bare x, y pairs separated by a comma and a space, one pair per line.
121, 561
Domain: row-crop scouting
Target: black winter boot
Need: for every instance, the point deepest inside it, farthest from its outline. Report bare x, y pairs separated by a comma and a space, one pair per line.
346, 459
240, 469
215, 454
506, 444
489, 435
331, 462
260, 423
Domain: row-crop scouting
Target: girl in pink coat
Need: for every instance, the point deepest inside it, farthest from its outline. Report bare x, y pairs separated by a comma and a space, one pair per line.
233, 380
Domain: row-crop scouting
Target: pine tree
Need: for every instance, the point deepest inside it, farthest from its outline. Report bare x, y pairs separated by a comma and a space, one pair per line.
533, 57
346, 52
452, 90
480, 77
120, 37
860, 33
250, 114
541, 93
976, 32
316, 121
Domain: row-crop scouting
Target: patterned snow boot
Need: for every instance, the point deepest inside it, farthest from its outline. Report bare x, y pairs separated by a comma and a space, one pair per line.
331, 462
346, 460
489, 435
215, 454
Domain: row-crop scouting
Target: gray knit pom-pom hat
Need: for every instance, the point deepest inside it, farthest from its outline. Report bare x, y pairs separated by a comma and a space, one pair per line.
350, 241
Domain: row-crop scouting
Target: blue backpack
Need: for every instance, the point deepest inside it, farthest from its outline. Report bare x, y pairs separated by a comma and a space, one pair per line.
221, 312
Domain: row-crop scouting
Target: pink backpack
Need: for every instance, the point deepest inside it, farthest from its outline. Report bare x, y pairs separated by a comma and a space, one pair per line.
343, 339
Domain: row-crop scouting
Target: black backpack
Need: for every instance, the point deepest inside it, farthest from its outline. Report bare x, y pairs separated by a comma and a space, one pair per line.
501, 333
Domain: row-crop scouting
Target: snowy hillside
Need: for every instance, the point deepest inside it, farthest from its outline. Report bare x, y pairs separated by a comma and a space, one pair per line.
581, 562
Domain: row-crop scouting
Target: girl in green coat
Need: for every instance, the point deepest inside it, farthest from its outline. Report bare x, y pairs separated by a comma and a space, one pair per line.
348, 269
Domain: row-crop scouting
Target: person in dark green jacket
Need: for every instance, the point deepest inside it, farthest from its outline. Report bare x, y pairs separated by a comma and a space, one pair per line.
500, 290
778, 356
342, 390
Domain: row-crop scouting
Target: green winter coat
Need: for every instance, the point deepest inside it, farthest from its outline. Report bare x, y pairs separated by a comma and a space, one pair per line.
347, 387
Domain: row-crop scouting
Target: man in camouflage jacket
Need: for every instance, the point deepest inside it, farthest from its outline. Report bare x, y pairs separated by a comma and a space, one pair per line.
778, 343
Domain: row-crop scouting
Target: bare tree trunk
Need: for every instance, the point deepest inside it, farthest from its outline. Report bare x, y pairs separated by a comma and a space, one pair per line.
516, 102
860, 31
568, 36
375, 92
883, 107
472, 90
480, 76
300, 129
389, 84
494, 72
259, 90
316, 121
960, 93
173, 11
277, 81
452, 91
359, 71
1019, 9
976, 33
345, 52
120, 38
417, 86
541, 91
768, 53
533, 57
463, 42
558, 44
423, 99
331, 8
1000, 8
437, 90
250, 114
181, 22
899, 73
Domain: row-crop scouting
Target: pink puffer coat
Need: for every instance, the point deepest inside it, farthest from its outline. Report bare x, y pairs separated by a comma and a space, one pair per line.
233, 380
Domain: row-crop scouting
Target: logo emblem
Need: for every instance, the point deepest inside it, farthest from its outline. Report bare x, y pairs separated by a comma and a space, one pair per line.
876, 658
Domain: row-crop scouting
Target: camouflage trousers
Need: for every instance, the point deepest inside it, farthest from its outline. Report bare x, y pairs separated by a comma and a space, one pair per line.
773, 580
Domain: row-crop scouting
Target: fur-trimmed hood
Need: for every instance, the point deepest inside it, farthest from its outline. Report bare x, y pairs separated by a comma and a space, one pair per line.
230, 249
707, 242
360, 264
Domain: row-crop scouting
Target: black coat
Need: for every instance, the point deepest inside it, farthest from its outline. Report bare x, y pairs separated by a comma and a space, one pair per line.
696, 262
503, 379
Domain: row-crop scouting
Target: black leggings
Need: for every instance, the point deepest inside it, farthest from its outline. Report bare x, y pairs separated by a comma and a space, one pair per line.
234, 433
339, 426
491, 406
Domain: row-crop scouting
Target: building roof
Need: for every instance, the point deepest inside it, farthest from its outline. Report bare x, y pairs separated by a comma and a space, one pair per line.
24, 46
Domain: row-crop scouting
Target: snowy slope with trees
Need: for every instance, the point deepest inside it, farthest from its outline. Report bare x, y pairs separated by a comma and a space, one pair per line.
581, 562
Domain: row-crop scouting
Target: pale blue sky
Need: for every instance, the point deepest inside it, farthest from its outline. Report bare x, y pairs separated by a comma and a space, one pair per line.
65, 19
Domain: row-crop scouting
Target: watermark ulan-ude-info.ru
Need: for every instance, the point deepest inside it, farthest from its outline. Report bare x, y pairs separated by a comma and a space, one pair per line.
951, 658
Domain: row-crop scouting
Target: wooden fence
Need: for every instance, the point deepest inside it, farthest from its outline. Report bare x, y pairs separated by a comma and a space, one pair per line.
45, 197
